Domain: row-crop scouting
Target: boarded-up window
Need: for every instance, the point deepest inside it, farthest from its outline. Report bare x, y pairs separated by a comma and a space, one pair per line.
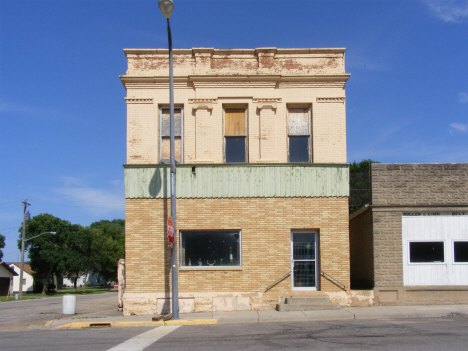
166, 133
299, 134
235, 135
235, 121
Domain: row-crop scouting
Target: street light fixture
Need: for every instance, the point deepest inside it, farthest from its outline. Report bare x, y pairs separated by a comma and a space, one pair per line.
166, 7
20, 288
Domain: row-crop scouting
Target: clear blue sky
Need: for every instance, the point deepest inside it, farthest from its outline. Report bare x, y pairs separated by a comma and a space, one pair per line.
62, 108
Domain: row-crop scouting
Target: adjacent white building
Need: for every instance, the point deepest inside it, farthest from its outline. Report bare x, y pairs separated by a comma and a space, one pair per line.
93, 279
6, 276
28, 279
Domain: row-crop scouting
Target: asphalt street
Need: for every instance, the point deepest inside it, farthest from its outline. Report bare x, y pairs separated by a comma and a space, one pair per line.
24, 326
447, 334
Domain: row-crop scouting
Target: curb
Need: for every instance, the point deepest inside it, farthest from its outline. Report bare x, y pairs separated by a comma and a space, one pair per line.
135, 323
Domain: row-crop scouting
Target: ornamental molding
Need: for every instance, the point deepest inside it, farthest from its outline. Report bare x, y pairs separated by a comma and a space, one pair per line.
267, 103
139, 100
257, 100
199, 104
331, 99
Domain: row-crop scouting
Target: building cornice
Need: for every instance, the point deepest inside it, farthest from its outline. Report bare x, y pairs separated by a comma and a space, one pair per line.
212, 79
213, 51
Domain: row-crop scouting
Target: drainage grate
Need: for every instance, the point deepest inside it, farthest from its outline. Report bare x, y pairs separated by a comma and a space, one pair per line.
99, 325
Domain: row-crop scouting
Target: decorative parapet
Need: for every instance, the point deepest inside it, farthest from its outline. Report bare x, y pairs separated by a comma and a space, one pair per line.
259, 61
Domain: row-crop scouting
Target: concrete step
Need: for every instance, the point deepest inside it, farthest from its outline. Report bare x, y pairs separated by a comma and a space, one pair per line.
285, 308
313, 300
307, 303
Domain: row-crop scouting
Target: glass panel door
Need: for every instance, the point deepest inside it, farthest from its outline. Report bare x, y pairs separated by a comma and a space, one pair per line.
304, 260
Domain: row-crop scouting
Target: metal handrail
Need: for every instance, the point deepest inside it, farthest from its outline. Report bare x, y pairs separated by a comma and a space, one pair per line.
277, 281
336, 280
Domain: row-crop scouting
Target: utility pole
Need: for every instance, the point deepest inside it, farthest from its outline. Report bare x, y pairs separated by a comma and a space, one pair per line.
20, 288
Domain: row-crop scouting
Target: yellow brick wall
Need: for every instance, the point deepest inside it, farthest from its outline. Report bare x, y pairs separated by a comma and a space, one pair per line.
266, 225
267, 134
329, 131
142, 129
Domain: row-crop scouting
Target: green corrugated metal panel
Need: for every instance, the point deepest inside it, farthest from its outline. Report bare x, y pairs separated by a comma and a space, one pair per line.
225, 181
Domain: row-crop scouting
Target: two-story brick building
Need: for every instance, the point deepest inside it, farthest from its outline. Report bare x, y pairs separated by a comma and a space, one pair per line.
262, 180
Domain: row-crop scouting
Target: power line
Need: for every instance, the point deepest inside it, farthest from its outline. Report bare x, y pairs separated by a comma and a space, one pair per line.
9, 202
97, 204
10, 228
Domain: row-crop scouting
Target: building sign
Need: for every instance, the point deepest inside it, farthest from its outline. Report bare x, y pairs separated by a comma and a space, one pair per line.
422, 214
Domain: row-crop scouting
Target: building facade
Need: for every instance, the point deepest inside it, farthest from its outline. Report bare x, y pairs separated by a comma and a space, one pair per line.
262, 180
28, 277
411, 244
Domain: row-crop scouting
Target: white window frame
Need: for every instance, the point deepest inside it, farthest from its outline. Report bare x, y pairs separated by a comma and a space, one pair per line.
427, 263
317, 263
453, 251
194, 264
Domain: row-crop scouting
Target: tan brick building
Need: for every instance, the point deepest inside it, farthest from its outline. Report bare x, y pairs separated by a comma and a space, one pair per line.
262, 179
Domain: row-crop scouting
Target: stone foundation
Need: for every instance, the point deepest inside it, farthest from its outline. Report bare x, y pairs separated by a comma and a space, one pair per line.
153, 303
421, 295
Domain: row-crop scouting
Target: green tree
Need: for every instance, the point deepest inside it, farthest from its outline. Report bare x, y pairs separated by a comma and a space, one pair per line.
359, 184
48, 254
74, 250
109, 247
2, 245
78, 250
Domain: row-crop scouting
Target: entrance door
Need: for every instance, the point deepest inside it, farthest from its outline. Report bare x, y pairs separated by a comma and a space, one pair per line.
304, 260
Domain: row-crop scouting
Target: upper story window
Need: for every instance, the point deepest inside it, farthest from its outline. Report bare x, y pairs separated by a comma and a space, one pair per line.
299, 135
165, 142
235, 135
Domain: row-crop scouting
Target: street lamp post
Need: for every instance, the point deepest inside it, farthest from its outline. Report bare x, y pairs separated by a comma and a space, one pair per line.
166, 7
20, 288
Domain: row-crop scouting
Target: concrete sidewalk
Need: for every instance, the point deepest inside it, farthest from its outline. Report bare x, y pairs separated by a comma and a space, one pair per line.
116, 319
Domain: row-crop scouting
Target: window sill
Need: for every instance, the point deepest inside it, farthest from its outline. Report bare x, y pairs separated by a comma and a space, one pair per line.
427, 263
208, 268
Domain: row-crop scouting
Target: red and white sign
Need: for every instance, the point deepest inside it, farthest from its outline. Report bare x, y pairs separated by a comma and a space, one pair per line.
170, 231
